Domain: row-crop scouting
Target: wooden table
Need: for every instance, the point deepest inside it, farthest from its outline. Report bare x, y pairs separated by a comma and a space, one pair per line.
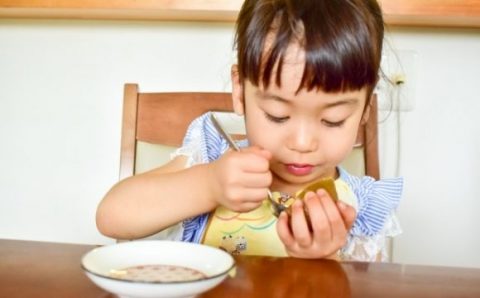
41, 269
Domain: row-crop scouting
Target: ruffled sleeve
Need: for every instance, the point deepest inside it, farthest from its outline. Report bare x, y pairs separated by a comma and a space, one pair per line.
202, 144
376, 201
376, 220
372, 248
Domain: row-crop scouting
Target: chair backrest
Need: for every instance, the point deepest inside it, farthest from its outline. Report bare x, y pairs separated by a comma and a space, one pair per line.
154, 124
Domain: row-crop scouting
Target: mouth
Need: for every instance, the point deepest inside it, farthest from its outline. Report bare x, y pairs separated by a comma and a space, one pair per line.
299, 169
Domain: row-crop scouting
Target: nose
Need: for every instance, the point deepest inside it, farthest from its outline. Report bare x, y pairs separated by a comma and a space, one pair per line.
303, 139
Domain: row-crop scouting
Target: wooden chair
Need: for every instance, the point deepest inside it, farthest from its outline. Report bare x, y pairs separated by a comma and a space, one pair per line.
154, 124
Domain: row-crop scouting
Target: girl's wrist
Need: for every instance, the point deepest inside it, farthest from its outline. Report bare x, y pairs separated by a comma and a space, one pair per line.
213, 185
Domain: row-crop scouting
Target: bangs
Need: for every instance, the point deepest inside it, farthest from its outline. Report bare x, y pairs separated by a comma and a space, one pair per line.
342, 44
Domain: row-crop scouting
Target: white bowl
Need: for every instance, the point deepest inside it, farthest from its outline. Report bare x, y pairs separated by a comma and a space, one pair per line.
214, 263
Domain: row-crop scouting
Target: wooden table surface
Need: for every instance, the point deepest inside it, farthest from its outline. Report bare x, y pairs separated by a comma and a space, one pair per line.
42, 269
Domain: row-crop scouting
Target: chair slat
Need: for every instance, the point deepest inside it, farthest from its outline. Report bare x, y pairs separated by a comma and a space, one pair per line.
163, 118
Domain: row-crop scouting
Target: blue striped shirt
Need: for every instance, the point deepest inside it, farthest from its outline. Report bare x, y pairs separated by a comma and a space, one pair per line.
376, 199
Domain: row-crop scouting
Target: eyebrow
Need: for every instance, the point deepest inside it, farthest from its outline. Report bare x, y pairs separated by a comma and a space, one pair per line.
346, 101
266, 95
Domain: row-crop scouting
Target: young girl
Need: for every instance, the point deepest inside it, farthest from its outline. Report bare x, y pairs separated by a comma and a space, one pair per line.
305, 74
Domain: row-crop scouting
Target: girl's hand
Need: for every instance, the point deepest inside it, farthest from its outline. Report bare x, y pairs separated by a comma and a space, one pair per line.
241, 178
320, 236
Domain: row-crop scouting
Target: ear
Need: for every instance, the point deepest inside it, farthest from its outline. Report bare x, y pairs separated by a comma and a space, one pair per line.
366, 111
237, 92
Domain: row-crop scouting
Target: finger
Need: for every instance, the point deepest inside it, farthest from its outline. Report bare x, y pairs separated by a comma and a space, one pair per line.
348, 214
243, 207
265, 154
299, 225
318, 219
248, 206
259, 151
252, 195
246, 161
283, 230
253, 163
257, 180
335, 220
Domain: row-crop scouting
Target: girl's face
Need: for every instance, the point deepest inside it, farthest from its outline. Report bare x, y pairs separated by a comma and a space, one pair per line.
308, 133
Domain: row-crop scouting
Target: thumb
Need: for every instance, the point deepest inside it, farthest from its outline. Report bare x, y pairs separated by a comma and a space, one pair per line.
259, 151
348, 214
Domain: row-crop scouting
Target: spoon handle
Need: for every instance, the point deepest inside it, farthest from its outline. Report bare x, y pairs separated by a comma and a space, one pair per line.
225, 135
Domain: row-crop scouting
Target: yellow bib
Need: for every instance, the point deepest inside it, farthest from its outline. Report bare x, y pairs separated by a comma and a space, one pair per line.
254, 232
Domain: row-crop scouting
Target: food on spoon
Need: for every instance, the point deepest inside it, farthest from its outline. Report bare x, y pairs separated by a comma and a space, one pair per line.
283, 198
286, 200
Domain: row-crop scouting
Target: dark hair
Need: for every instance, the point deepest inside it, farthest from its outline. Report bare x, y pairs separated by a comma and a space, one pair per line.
342, 40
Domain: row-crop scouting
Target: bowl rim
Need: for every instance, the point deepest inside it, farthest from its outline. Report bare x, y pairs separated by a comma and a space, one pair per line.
210, 277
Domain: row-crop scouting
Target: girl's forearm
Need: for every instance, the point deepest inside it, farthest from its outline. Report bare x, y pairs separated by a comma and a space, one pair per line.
145, 204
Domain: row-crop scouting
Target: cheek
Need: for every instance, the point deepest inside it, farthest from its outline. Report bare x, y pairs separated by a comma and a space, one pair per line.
262, 133
257, 133
342, 151
255, 126
339, 147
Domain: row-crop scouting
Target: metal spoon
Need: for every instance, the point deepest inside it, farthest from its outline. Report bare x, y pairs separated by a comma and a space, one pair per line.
277, 207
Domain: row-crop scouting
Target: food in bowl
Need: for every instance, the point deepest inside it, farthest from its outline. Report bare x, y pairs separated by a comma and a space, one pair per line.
158, 273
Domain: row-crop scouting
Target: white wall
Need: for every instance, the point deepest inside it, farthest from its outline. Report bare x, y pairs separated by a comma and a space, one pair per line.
440, 150
61, 95
60, 112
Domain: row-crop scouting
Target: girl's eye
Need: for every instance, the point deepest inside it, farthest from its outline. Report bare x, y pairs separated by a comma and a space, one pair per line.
333, 124
276, 119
